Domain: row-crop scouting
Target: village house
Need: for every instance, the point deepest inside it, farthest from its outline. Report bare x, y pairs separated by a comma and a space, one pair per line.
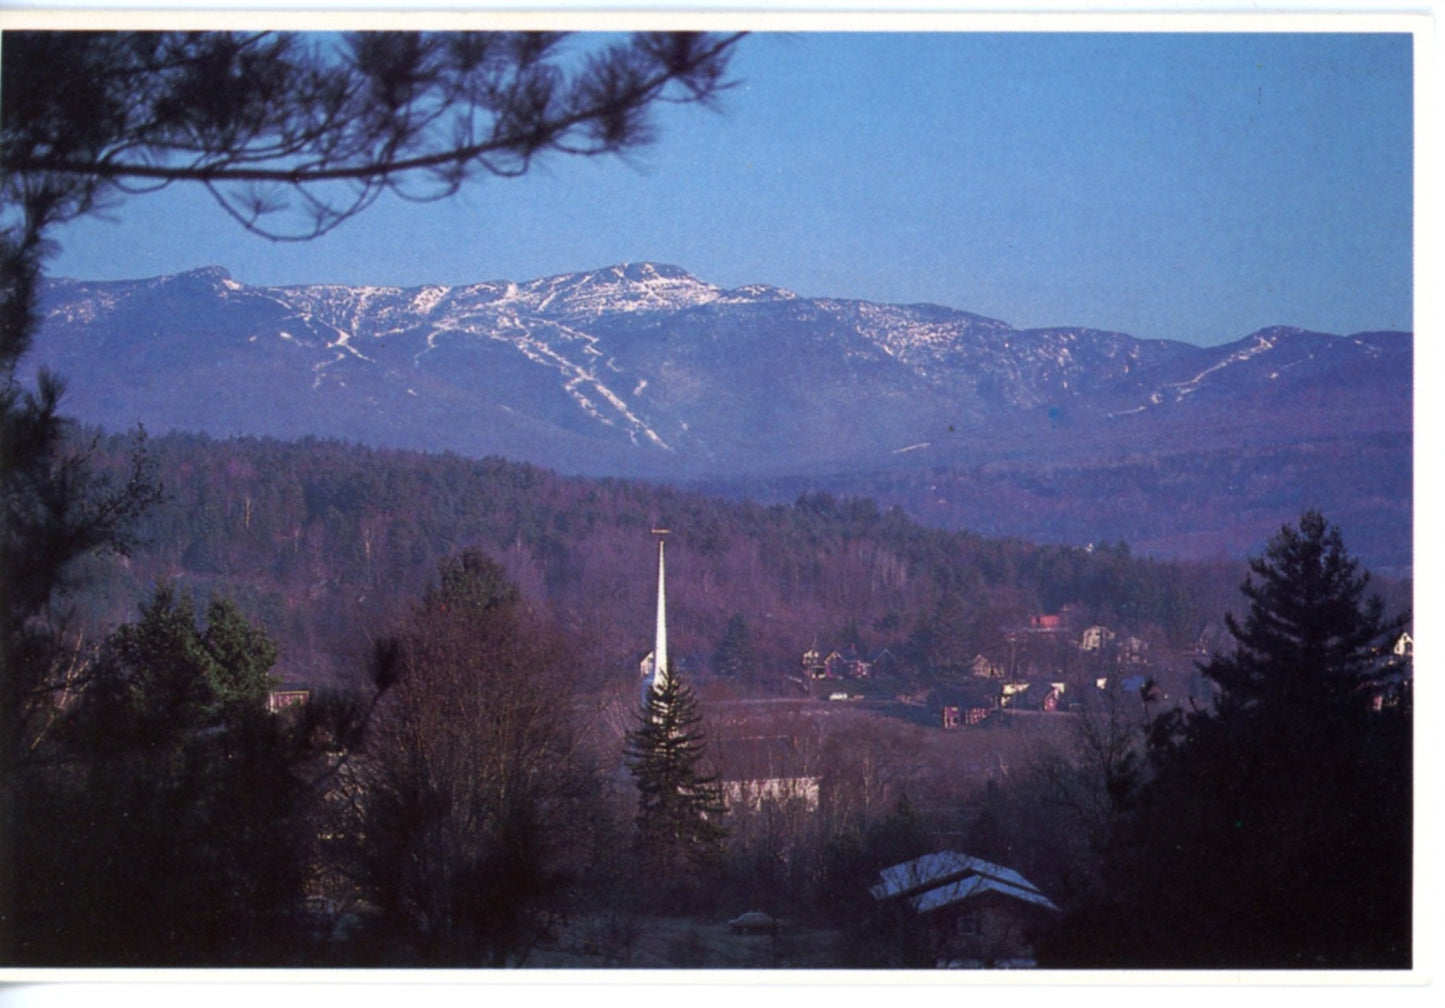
883, 663
955, 716
282, 699
1095, 638
1050, 694
1050, 623
986, 668
978, 914
1134, 650
1012, 694
969, 703
813, 665
846, 664
1033, 694
1397, 679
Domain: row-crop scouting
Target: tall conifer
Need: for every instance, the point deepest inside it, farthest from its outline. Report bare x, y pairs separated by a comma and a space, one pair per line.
1275, 832
679, 806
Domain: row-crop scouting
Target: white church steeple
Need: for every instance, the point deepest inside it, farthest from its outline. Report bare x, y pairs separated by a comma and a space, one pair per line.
655, 666
659, 649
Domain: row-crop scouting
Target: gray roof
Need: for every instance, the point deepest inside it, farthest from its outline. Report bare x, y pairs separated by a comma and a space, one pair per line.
946, 877
972, 886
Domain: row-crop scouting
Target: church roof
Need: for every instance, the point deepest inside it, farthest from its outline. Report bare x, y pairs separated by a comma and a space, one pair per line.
755, 758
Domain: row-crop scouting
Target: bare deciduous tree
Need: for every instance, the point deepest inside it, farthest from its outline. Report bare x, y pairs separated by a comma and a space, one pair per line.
475, 797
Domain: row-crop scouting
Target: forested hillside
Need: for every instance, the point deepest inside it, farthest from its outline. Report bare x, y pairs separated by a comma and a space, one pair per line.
1200, 501
326, 543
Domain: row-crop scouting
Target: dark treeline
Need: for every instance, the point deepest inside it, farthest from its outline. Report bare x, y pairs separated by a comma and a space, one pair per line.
1210, 498
321, 542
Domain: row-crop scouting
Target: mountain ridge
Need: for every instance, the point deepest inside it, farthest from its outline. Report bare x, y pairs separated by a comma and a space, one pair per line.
645, 370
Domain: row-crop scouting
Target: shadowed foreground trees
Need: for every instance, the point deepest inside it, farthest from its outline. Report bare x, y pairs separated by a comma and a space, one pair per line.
56, 511
162, 815
1275, 832
1055, 820
474, 799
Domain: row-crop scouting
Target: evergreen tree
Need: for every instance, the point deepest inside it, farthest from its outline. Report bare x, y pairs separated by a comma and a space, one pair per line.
1312, 637
1275, 831
239, 658
171, 676
335, 120
734, 654
679, 806
167, 827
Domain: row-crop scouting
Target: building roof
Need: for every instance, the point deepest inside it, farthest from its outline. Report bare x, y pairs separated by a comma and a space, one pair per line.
758, 758
947, 877
973, 886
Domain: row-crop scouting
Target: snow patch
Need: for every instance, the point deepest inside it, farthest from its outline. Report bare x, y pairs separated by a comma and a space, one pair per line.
580, 382
1260, 345
427, 298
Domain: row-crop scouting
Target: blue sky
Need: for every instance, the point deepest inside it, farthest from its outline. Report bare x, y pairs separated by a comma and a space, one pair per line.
1181, 186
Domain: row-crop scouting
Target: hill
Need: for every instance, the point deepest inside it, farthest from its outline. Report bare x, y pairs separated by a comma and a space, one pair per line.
326, 544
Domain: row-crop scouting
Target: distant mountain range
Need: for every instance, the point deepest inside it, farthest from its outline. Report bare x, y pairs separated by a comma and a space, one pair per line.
643, 370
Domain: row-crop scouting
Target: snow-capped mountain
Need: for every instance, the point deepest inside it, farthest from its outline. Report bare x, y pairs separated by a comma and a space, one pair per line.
644, 369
